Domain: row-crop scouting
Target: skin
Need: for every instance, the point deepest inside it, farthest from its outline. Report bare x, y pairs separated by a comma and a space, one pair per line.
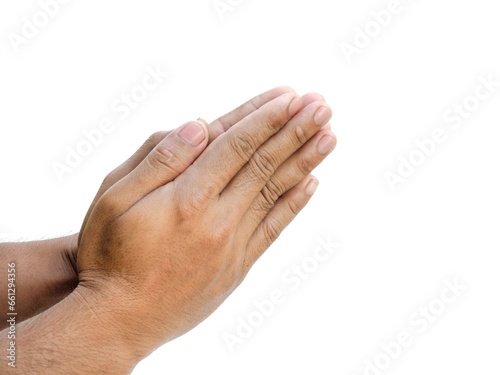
146, 275
55, 260
45, 275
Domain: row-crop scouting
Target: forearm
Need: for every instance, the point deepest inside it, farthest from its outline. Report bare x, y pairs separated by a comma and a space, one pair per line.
44, 272
75, 337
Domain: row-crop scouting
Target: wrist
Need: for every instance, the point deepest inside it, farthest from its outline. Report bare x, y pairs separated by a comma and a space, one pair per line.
75, 336
110, 334
126, 311
68, 251
116, 316
55, 277
61, 276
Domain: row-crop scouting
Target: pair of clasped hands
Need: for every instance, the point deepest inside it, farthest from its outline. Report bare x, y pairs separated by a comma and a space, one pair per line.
176, 228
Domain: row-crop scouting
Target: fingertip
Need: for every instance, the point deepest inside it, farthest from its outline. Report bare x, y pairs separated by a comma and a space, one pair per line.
282, 89
313, 97
311, 186
215, 130
202, 121
327, 143
194, 133
295, 106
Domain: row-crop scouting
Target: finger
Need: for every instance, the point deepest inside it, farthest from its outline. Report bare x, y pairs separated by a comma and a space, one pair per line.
131, 163
288, 175
230, 152
216, 128
124, 169
311, 98
224, 123
282, 214
170, 158
267, 159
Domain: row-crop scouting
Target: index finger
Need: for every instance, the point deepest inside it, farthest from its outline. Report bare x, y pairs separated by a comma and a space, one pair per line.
225, 157
224, 123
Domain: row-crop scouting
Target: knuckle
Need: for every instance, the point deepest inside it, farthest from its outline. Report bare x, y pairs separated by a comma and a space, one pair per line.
271, 231
155, 138
271, 193
191, 203
153, 141
219, 234
274, 120
293, 207
108, 205
164, 159
300, 135
110, 179
305, 165
242, 145
189, 208
206, 189
252, 103
260, 206
263, 165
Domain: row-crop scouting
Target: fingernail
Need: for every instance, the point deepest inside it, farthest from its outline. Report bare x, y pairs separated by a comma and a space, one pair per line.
312, 186
327, 143
322, 115
202, 121
295, 106
193, 134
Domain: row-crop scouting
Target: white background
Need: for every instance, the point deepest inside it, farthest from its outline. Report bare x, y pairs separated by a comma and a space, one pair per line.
396, 248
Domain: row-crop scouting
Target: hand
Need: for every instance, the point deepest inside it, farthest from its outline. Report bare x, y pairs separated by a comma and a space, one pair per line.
174, 245
215, 129
69, 253
46, 275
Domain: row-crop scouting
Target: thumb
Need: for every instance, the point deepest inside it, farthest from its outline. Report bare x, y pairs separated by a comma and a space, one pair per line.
169, 159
